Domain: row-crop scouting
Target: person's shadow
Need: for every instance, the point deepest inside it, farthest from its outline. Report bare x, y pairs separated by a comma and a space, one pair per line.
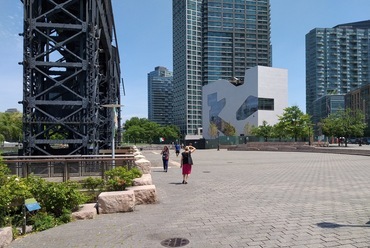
336, 225
180, 183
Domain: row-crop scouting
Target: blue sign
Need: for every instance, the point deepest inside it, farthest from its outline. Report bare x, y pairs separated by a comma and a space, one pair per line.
31, 204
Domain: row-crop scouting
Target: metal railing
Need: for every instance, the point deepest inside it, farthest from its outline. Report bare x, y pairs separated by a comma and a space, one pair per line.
66, 167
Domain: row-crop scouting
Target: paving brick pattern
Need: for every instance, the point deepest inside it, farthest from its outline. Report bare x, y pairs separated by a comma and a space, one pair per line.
238, 199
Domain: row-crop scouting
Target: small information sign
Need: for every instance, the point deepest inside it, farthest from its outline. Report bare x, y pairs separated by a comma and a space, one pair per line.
31, 204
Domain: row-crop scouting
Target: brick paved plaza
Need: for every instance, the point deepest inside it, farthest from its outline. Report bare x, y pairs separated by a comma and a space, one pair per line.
238, 199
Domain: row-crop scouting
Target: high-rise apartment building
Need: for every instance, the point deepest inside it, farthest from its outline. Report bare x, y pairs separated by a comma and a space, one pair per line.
337, 61
160, 96
215, 39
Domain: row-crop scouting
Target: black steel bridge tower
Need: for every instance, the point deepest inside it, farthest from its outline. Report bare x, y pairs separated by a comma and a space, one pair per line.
71, 69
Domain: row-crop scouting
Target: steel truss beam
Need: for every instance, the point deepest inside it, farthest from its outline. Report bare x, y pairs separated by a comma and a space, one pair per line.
71, 69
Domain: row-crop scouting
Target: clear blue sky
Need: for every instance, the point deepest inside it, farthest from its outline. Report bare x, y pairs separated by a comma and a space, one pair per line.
144, 29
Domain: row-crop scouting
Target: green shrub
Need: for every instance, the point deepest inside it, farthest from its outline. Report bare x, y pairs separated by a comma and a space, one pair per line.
65, 217
119, 178
91, 196
136, 173
4, 171
56, 198
92, 183
42, 221
13, 192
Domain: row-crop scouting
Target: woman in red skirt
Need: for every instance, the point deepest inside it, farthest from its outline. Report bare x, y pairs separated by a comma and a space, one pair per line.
186, 163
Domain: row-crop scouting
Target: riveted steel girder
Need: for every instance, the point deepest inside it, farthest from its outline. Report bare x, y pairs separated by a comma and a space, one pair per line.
71, 69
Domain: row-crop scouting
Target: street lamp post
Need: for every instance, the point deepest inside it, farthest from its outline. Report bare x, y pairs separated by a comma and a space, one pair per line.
218, 140
112, 107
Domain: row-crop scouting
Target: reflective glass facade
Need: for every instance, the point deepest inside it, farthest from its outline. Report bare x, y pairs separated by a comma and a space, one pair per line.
325, 105
359, 99
160, 96
214, 39
337, 61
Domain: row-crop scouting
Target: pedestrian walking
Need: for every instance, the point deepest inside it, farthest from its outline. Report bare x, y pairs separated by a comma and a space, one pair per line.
186, 163
177, 149
165, 157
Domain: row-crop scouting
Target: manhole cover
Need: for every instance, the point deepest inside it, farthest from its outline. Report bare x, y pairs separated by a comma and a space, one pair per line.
175, 242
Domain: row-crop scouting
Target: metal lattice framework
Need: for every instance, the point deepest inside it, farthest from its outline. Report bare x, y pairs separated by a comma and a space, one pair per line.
71, 69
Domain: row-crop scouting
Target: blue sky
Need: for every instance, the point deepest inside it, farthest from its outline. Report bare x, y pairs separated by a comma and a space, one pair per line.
144, 30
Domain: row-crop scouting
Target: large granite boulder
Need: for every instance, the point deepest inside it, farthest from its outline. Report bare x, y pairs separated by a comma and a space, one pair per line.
137, 153
116, 201
145, 179
143, 165
145, 194
87, 211
6, 236
139, 156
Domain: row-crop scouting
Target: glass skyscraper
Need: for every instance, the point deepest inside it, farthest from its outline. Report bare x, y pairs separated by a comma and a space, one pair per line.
337, 61
215, 39
160, 96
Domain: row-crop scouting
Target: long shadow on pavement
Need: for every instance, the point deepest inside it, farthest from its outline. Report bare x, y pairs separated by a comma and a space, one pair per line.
335, 225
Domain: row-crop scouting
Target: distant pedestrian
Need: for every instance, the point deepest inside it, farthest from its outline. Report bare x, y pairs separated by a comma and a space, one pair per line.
187, 163
177, 149
165, 157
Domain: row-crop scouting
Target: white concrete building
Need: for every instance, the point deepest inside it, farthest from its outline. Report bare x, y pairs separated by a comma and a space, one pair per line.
262, 97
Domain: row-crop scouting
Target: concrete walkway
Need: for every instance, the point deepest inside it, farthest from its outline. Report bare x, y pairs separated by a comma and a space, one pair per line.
237, 199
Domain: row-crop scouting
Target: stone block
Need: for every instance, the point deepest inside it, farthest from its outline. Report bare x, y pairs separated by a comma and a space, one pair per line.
86, 212
116, 202
143, 165
6, 236
145, 179
145, 194
139, 156
136, 153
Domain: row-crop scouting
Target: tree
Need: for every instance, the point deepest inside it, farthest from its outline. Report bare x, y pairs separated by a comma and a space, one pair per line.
135, 121
143, 130
344, 123
248, 129
212, 130
135, 133
278, 131
11, 126
173, 132
295, 123
263, 130
170, 132
152, 131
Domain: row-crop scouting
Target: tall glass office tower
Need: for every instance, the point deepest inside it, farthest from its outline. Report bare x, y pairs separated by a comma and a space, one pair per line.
160, 96
337, 61
215, 39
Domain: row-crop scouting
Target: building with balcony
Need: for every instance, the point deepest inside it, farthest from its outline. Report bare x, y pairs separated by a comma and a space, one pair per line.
337, 61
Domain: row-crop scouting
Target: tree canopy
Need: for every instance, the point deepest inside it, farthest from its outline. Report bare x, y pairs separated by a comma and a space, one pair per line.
212, 130
292, 124
264, 130
11, 126
295, 123
143, 130
344, 123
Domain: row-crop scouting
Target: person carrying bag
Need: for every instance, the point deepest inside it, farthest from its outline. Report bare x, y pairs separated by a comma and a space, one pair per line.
186, 163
